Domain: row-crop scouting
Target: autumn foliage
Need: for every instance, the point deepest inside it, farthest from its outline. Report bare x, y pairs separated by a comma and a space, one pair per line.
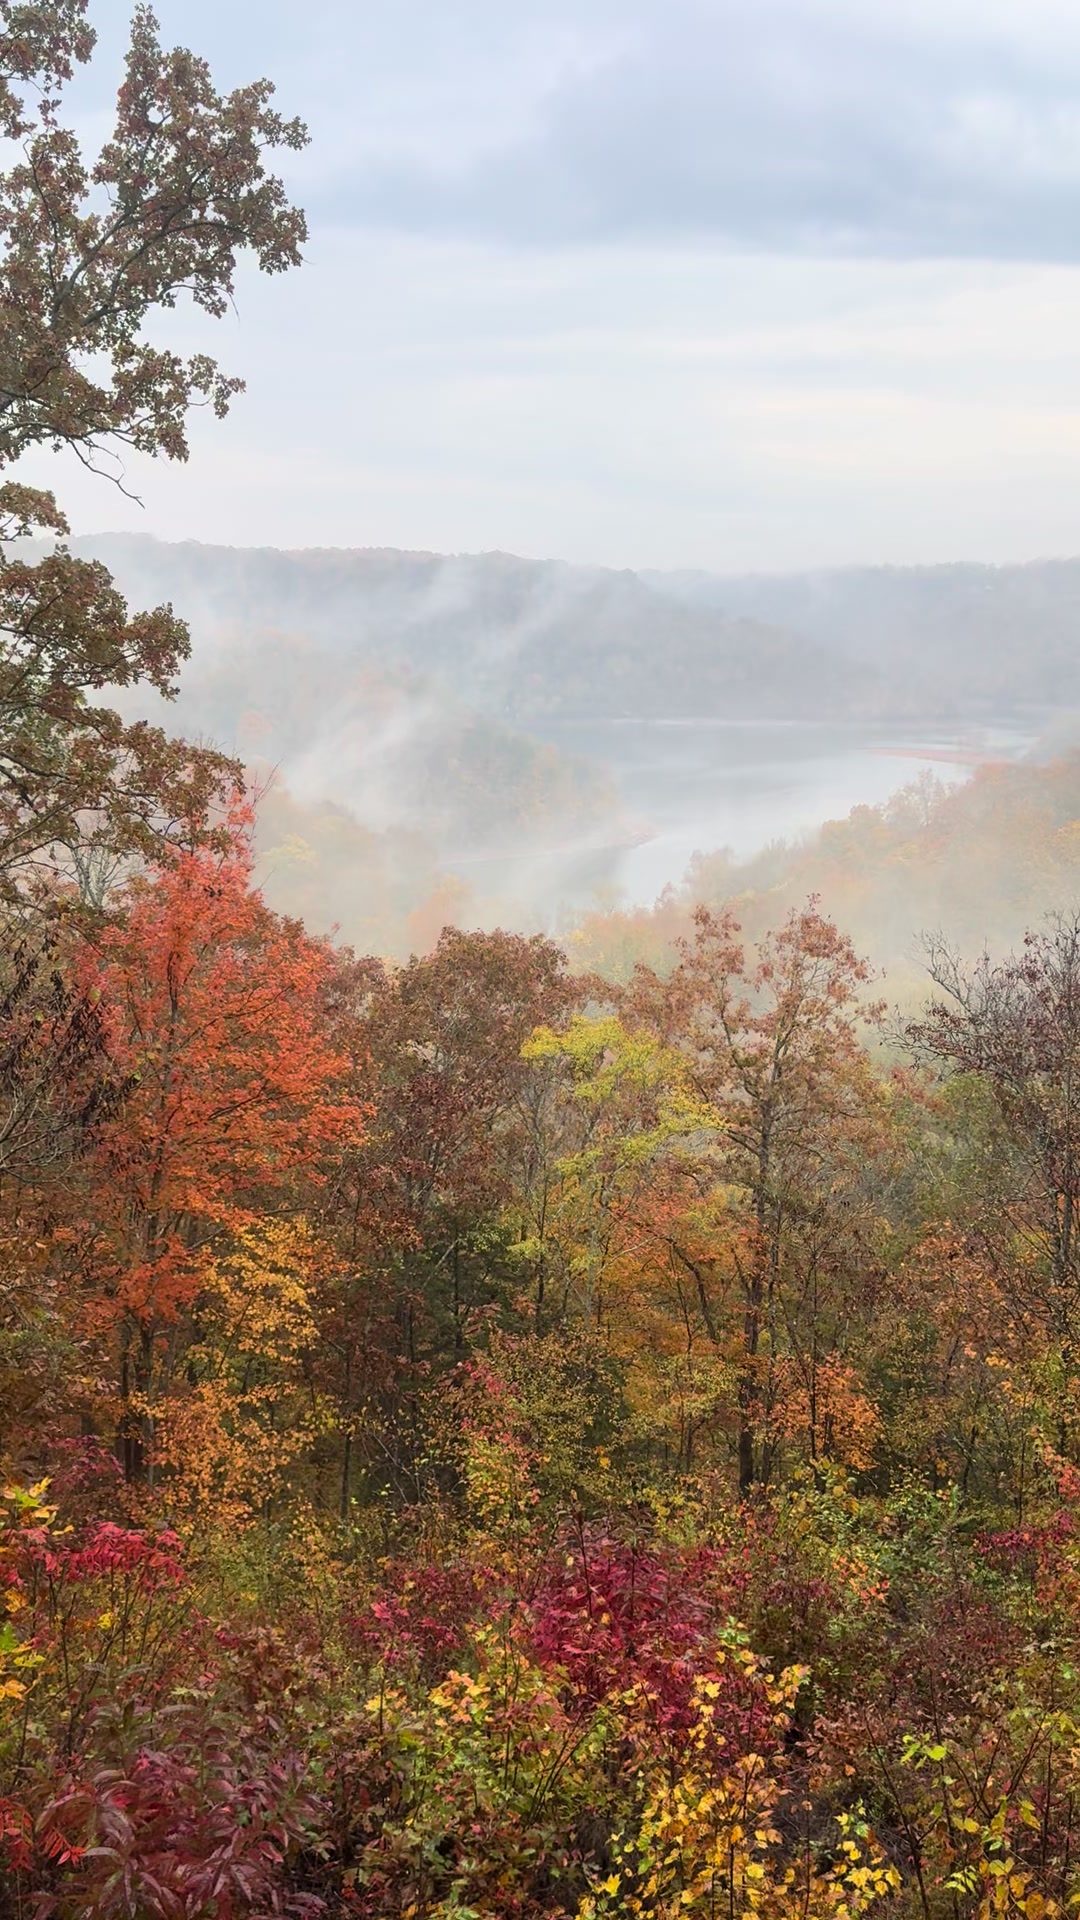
478, 1438
488, 1442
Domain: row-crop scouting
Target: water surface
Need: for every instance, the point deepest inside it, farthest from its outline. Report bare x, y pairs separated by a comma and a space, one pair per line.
698, 786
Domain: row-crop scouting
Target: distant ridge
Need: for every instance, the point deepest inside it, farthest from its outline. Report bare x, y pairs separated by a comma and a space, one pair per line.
473, 734
527, 641
534, 642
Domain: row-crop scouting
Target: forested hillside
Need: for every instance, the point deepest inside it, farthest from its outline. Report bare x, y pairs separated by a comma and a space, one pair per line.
525, 642
976, 862
521, 641
438, 735
969, 638
511, 1431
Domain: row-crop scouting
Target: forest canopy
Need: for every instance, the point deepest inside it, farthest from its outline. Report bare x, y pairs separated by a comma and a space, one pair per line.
496, 1432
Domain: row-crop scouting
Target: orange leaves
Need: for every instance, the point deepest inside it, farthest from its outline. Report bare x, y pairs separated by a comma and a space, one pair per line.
235, 1072
217, 1016
824, 1409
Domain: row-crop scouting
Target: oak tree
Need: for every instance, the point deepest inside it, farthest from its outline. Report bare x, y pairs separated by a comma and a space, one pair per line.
90, 250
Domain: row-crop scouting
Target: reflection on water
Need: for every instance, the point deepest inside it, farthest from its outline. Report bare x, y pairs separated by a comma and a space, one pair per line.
697, 786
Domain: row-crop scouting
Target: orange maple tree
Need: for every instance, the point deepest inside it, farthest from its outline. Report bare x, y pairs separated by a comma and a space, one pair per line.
235, 1088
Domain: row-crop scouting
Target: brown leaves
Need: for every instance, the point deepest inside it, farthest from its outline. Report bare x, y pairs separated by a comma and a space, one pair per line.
40, 45
187, 191
72, 773
88, 253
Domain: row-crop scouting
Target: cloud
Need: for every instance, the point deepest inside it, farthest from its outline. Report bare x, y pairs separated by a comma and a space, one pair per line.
652, 406
844, 126
667, 282
782, 124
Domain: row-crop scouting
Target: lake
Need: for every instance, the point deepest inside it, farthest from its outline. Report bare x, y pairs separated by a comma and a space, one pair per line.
698, 786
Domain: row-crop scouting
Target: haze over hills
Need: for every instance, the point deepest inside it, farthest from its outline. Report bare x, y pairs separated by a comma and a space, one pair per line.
525, 640
485, 734
519, 639
962, 639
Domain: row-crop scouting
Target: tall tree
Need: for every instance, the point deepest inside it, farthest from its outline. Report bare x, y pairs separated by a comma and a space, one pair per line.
89, 250
772, 1049
216, 1010
1014, 1026
417, 1212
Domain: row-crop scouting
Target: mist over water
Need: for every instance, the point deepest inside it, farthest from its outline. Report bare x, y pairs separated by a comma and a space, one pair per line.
699, 787
488, 740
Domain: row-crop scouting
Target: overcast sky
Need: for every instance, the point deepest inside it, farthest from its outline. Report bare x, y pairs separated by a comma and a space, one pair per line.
721, 283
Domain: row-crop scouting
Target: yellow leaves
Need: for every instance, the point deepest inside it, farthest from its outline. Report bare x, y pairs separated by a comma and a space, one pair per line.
229, 1441
29, 1505
16, 1658
708, 1842
389, 1703
498, 1477
601, 1053
260, 1293
461, 1698
611, 1066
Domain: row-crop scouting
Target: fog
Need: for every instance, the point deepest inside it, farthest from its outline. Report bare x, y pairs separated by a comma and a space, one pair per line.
483, 739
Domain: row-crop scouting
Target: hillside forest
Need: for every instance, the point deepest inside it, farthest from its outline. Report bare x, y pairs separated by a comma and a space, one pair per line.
485, 740
525, 1428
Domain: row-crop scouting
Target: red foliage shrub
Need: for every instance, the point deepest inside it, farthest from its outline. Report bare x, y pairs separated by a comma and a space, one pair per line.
610, 1614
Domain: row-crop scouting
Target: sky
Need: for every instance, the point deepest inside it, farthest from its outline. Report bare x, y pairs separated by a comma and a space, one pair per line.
732, 284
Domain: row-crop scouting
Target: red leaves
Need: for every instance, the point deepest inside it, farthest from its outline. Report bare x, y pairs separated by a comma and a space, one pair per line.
420, 1617
1030, 1549
16, 1835
611, 1615
152, 1562
199, 1823
170, 1791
